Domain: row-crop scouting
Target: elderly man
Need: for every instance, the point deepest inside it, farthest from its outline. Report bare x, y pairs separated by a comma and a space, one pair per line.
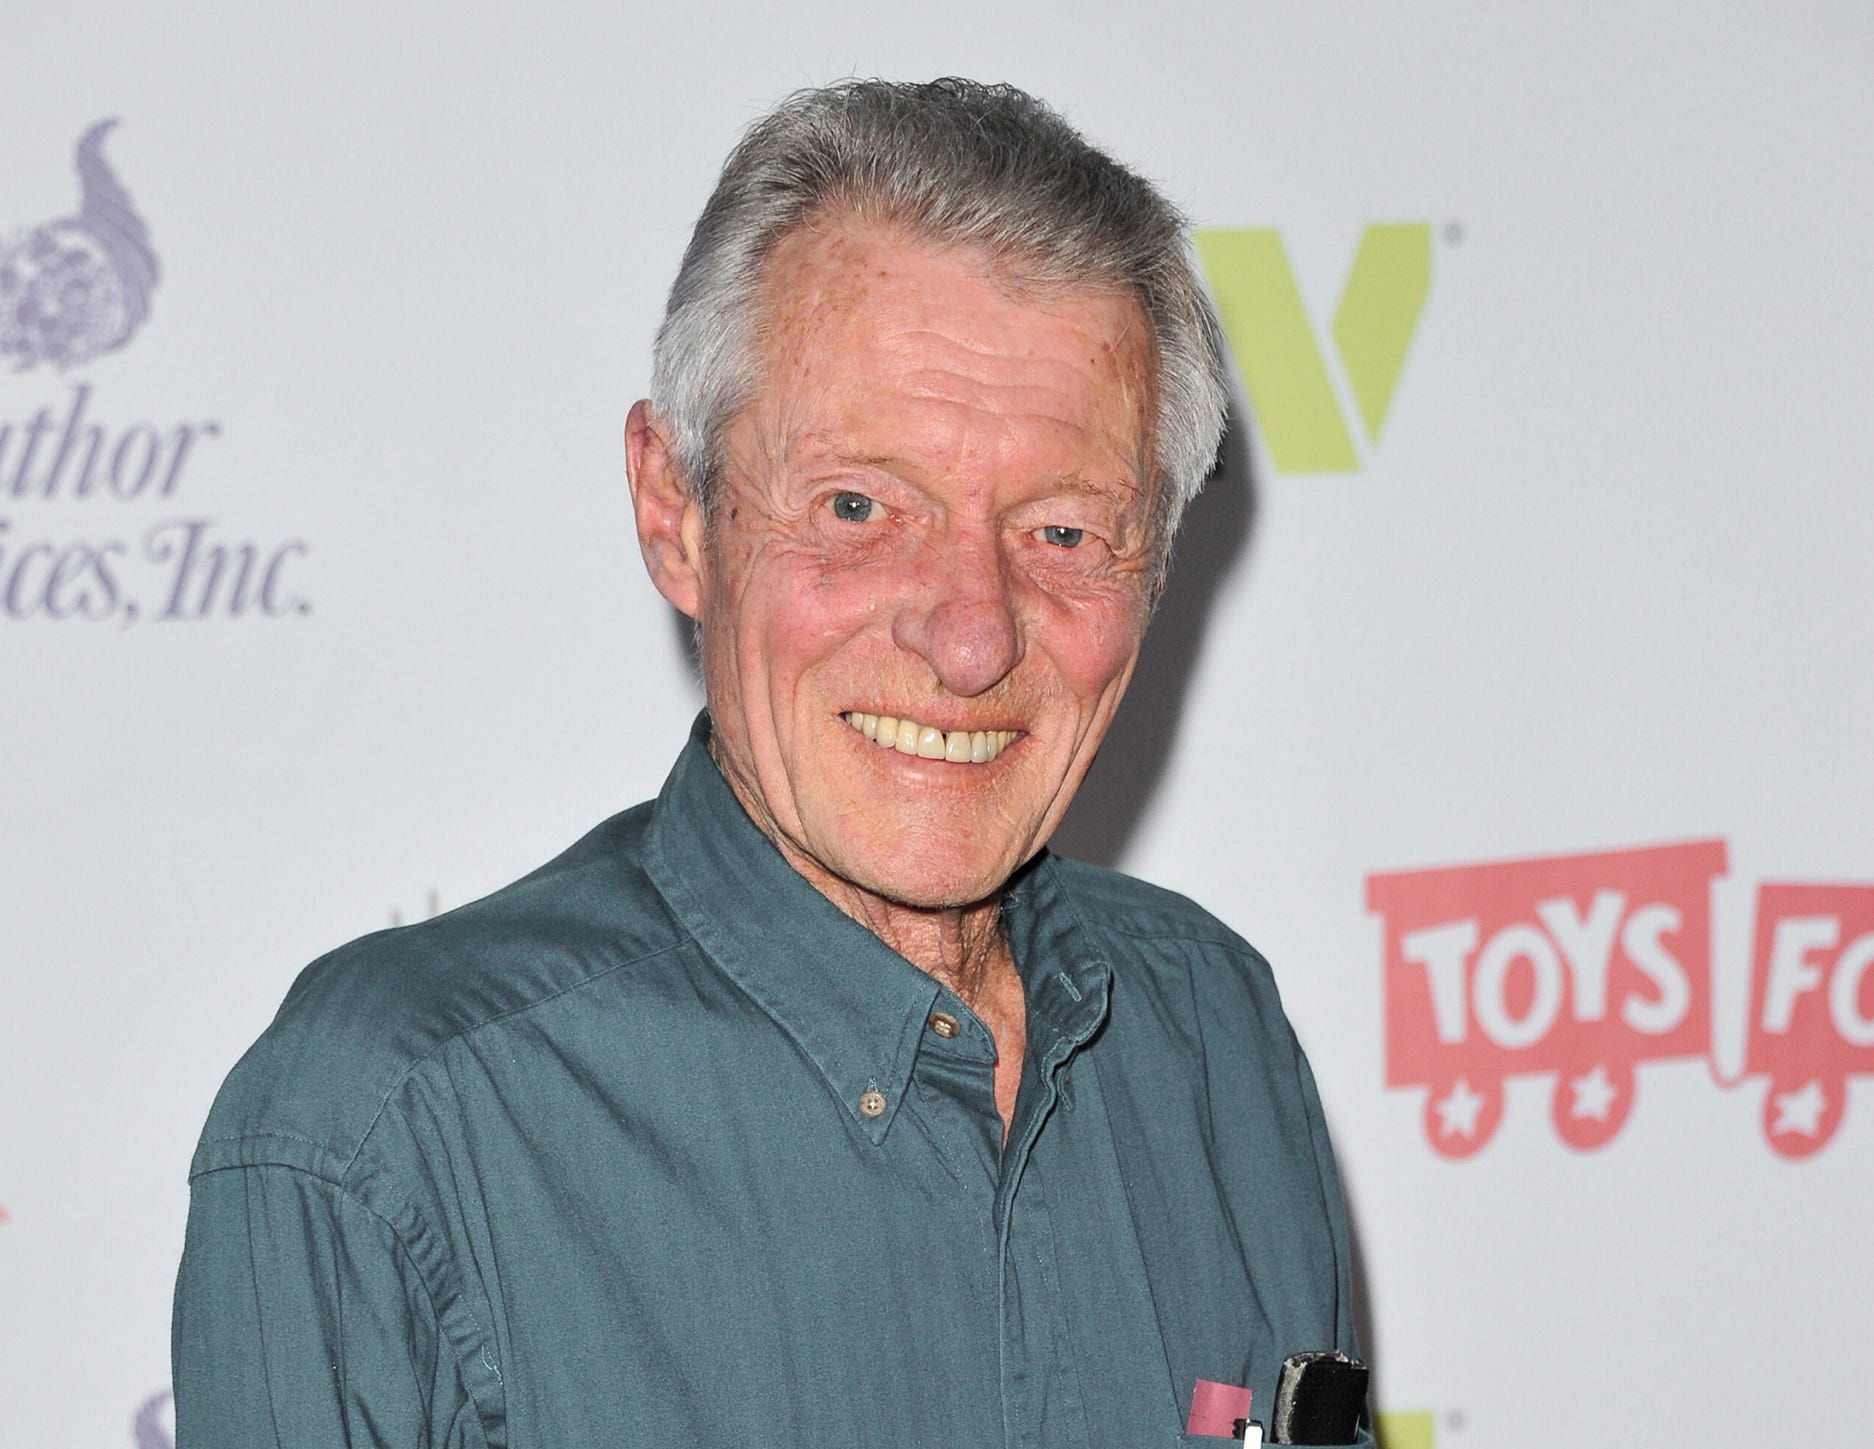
815, 1103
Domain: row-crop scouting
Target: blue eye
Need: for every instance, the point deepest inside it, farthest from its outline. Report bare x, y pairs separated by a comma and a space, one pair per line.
852, 507
1062, 536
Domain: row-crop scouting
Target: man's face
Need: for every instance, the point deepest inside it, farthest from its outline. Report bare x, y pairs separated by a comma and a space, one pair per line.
933, 511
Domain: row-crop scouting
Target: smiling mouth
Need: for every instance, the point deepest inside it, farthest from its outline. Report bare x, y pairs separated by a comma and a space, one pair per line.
927, 742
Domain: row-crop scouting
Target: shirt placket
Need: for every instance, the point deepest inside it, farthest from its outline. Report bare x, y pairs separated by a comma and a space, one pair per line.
1040, 1389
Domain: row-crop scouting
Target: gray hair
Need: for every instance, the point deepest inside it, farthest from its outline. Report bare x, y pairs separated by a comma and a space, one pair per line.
960, 163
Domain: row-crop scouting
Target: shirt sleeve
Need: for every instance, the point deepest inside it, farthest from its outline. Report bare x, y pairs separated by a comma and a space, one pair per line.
300, 1322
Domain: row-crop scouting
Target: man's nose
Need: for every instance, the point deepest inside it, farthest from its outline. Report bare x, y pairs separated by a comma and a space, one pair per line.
961, 619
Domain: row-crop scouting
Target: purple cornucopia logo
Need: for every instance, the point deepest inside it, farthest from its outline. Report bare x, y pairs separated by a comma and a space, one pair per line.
74, 289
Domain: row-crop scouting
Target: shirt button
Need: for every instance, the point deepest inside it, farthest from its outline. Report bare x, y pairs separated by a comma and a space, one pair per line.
872, 1103
943, 1024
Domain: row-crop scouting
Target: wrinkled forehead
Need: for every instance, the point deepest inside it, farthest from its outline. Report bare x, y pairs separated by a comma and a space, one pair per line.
841, 280
820, 246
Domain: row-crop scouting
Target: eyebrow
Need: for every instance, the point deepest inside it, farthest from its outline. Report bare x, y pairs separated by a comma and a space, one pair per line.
1126, 486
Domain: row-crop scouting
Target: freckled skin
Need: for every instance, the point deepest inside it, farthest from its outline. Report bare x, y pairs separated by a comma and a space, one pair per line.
953, 423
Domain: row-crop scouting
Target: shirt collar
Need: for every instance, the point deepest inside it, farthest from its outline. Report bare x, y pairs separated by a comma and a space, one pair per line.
1066, 977
854, 1006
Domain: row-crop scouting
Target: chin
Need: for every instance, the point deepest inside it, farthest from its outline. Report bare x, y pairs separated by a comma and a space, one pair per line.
929, 858
938, 887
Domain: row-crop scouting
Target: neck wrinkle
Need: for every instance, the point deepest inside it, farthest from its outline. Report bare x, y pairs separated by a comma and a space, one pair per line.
964, 948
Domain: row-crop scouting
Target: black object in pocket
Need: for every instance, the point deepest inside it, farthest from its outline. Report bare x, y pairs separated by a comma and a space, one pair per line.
1319, 1399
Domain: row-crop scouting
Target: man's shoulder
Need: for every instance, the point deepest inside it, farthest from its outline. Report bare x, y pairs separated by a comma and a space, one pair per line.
357, 1021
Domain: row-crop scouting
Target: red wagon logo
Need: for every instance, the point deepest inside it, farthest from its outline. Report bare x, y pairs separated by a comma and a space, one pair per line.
1811, 1007
1583, 965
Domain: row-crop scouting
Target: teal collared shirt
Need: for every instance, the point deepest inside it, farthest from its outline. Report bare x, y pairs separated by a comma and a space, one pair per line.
656, 1147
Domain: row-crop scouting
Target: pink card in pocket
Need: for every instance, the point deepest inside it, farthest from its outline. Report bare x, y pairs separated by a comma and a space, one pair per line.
1215, 1408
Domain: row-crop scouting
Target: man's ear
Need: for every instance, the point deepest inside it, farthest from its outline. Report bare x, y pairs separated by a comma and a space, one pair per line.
670, 521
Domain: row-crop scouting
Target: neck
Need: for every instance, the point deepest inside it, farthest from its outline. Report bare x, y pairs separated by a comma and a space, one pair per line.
962, 946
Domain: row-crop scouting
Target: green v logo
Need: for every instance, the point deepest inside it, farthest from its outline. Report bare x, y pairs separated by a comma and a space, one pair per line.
1297, 404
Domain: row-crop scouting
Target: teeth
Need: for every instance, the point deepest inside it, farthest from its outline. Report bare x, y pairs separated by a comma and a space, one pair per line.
927, 742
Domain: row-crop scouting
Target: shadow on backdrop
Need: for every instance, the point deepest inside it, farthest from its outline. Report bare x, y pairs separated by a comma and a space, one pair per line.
1211, 546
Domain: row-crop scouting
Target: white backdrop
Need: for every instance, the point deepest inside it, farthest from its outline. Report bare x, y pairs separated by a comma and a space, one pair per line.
1601, 583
